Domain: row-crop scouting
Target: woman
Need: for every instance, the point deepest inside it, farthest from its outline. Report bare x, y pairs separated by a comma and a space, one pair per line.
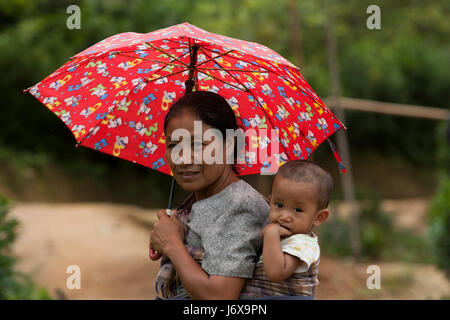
224, 215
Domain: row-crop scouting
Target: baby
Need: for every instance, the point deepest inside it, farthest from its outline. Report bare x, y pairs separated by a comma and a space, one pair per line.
298, 203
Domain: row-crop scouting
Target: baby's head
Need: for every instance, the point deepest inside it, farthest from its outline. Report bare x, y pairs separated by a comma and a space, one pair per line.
300, 193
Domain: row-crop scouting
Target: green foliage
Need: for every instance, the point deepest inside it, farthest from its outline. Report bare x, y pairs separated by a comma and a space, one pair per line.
415, 76
13, 285
438, 233
376, 229
443, 148
335, 237
439, 225
378, 237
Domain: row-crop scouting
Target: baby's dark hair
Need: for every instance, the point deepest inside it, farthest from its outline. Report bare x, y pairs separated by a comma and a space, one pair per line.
308, 171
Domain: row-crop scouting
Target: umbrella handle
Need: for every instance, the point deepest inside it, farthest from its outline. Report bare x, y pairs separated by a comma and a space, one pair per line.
172, 191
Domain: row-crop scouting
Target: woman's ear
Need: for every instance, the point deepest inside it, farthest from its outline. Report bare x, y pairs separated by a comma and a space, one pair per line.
321, 217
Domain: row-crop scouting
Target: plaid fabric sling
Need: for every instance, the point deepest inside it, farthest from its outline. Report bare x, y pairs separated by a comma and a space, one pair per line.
298, 284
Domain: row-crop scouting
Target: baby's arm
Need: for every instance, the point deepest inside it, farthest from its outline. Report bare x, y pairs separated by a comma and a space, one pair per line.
277, 264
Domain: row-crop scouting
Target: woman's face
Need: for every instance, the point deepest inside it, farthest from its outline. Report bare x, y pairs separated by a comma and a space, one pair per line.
191, 176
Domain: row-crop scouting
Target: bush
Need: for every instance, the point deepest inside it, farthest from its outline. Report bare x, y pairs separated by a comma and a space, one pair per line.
439, 225
375, 232
378, 237
13, 284
439, 213
334, 237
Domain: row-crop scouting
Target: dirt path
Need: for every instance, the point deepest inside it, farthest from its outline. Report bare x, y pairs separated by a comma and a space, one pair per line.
102, 239
340, 279
109, 243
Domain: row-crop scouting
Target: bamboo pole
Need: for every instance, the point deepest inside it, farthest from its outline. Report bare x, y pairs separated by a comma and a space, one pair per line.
295, 37
341, 136
389, 108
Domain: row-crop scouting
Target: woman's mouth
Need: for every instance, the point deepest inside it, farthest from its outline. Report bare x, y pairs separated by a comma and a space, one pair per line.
188, 175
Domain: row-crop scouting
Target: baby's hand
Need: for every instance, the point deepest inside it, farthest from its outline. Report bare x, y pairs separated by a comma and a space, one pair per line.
273, 228
283, 232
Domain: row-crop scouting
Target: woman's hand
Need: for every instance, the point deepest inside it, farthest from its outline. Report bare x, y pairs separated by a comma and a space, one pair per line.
166, 233
153, 254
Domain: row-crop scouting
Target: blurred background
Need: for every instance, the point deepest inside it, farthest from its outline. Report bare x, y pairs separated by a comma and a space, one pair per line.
62, 206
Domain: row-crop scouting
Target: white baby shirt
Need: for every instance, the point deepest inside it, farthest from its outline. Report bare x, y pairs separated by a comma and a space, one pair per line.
303, 246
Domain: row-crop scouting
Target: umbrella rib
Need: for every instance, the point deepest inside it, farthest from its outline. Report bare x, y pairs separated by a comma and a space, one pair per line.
246, 89
257, 100
152, 60
166, 76
166, 63
231, 85
234, 77
170, 55
252, 63
289, 64
235, 70
283, 78
280, 76
260, 66
218, 56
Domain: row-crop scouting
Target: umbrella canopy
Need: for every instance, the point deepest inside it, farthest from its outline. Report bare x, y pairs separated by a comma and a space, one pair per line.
114, 95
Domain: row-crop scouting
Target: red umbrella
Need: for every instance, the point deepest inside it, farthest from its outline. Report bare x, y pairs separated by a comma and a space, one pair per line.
114, 95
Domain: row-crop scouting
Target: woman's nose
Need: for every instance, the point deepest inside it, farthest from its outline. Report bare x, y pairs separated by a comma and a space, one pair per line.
182, 158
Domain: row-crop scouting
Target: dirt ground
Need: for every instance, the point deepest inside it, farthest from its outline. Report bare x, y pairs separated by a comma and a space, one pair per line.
109, 243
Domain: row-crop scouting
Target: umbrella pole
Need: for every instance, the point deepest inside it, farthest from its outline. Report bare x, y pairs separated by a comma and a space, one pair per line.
172, 189
189, 84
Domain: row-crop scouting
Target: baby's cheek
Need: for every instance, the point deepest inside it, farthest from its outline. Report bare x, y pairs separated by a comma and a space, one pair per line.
272, 215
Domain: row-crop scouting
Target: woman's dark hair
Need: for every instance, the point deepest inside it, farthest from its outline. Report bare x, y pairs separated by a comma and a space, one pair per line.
212, 109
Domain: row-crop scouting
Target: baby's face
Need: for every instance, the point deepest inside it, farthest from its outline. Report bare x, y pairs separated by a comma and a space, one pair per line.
293, 205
